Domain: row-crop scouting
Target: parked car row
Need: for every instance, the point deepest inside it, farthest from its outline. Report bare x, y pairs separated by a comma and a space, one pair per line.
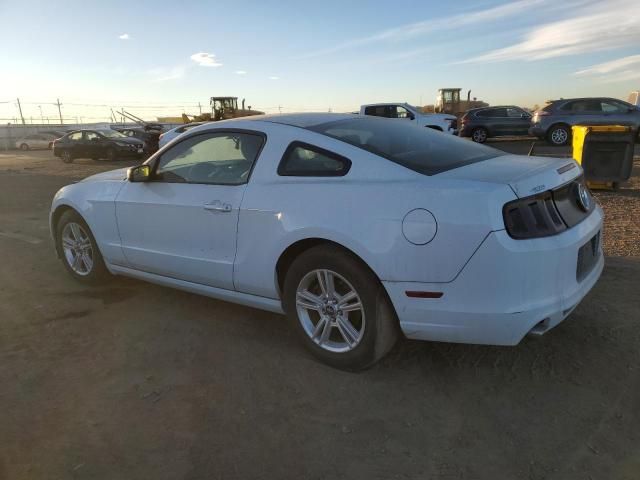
552, 123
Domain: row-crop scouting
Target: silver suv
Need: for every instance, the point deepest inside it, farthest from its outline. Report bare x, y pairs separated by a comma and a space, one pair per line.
555, 120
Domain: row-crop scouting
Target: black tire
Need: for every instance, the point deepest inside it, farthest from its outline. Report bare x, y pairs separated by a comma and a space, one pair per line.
98, 273
380, 330
110, 155
66, 156
559, 135
24, 147
479, 135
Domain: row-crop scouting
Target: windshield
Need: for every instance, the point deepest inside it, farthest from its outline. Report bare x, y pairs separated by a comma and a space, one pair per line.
421, 149
112, 134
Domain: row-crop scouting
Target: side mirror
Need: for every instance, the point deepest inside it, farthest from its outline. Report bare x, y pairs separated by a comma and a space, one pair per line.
141, 173
411, 116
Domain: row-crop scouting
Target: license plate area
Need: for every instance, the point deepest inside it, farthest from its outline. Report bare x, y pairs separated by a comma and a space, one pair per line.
587, 257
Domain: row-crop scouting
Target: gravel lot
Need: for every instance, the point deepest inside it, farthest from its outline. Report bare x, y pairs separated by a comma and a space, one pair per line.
135, 381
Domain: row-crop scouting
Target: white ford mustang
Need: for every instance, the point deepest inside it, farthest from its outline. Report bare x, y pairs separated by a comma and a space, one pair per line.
359, 228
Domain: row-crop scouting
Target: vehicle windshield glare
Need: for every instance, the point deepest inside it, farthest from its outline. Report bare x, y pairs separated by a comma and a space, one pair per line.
111, 134
420, 149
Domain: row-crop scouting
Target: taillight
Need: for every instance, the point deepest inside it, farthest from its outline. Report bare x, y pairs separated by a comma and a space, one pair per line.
542, 113
533, 217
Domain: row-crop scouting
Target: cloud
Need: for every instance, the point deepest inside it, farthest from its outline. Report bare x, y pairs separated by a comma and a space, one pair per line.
274, 78
205, 59
124, 36
163, 74
428, 26
611, 66
240, 72
602, 26
618, 70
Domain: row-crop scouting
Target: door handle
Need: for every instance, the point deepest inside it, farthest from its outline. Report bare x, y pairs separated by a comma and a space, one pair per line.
217, 206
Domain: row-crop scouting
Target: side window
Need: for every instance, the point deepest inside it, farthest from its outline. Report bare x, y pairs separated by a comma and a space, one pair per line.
75, 136
515, 113
402, 112
567, 107
580, 106
499, 112
611, 106
304, 160
91, 135
484, 113
221, 158
377, 110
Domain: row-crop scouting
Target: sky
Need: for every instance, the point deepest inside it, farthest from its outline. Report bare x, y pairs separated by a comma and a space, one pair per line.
164, 57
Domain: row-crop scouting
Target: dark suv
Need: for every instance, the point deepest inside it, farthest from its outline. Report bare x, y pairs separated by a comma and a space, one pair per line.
555, 120
485, 122
95, 144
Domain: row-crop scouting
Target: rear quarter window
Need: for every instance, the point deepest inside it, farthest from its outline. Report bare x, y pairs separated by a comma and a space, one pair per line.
422, 150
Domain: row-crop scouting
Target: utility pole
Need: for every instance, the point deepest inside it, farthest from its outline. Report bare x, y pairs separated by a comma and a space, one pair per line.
200, 108
59, 111
20, 108
41, 117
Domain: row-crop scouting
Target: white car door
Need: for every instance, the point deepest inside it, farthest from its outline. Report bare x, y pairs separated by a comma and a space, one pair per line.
183, 222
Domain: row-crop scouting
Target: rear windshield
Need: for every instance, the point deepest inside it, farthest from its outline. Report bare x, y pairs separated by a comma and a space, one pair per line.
421, 149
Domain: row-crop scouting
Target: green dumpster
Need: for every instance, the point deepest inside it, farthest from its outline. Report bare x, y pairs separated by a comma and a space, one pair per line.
605, 153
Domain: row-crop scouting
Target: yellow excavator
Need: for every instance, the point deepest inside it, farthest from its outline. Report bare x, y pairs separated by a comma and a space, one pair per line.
222, 108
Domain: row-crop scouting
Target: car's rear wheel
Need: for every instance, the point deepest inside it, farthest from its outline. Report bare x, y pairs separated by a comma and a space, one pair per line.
339, 308
78, 249
559, 135
66, 156
24, 147
480, 135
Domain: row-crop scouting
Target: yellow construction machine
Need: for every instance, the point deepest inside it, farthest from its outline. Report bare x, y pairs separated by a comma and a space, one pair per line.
222, 108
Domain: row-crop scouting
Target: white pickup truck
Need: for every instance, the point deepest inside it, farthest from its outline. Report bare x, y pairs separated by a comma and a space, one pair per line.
437, 121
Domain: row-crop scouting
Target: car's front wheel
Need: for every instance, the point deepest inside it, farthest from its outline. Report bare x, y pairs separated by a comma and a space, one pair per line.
66, 156
24, 147
110, 155
339, 308
78, 249
480, 135
559, 135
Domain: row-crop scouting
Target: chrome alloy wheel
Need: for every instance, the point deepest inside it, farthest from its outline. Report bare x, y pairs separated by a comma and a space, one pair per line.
77, 248
479, 136
330, 311
559, 136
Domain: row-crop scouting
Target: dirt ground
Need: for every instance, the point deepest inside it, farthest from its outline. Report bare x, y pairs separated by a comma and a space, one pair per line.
135, 381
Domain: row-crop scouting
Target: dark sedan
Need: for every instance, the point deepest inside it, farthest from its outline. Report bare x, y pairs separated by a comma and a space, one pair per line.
486, 122
96, 144
149, 135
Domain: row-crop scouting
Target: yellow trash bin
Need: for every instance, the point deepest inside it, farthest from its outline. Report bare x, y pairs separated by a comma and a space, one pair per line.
605, 153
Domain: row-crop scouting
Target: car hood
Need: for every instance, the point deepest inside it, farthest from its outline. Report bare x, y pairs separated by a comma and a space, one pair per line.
526, 175
112, 175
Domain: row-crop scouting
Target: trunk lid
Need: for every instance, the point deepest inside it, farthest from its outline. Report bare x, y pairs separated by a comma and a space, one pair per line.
525, 175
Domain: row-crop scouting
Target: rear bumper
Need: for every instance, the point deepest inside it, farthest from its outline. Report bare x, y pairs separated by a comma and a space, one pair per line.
465, 131
537, 131
508, 288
